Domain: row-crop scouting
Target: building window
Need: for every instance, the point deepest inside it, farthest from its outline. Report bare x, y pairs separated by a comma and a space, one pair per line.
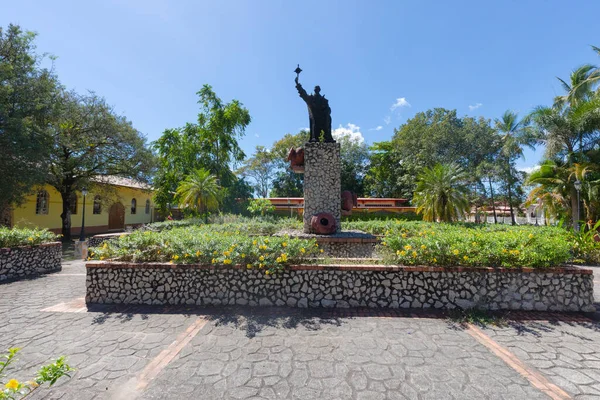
147, 206
133, 206
97, 205
73, 205
42, 202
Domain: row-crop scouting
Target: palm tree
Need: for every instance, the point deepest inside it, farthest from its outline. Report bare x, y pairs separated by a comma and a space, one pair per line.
440, 194
553, 188
580, 86
199, 191
515, 135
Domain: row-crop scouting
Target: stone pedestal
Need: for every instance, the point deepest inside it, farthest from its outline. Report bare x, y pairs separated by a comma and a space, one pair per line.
322, 182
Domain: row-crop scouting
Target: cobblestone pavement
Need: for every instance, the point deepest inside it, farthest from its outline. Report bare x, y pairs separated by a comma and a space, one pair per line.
280, 353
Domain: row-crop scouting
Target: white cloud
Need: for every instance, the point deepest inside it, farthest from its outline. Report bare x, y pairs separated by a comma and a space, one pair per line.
387, 120
256, 135
475, 107
378, 128
351, 131
529, 169
400, 102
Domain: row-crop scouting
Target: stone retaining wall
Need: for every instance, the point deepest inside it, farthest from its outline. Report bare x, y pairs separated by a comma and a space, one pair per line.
341, 286
97, 240
28, 261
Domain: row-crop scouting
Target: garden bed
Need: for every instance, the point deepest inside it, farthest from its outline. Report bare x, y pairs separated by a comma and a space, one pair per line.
29, 261
342, 286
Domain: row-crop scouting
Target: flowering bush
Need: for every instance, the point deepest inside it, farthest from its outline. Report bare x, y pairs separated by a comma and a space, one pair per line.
14, 389
208, 245
22, 237
253, 226
420, 243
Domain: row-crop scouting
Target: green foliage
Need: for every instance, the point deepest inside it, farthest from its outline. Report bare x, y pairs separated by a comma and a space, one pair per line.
260, 168
210, 143
209, 245
50, 373
261, 207
287, 183
27, 93
440, 194
13, 237
585, 246
354, 164
91, 140
474, 245
228, 223
431, 137
380, 216
199, 191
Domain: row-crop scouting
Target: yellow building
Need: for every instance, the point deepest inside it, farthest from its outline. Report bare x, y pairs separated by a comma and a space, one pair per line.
113, 204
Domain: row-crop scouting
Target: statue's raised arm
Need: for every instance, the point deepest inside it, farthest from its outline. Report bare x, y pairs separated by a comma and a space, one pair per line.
301, 91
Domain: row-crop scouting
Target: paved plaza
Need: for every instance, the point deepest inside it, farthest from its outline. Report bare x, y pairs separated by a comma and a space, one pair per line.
242, 353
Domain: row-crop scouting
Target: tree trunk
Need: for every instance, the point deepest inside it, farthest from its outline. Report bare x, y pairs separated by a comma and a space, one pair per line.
493, 203
574, 208
66, 214
510, 207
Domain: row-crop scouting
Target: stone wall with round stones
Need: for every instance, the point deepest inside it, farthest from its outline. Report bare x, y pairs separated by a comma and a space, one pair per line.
28, 261
341, 286
322, 182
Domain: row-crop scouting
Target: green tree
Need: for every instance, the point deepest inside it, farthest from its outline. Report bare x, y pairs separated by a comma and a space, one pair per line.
431, 137
260, 207
90, 142
514, 135
441, 194
210, 143
354, 155
27, 96
287, 183
260, 167
199, 191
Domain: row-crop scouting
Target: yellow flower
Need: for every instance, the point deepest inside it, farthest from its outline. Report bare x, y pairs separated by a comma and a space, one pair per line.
198, 253
266, 240
465, 258
455, 252
261, 258
104, 246
226, 261
267, 272
101, 258
434, 259
404, 235
157, 251
302, 250
402, 253
186, 255
316, 244
175, 257
414, 254
504, 250
383, 243
89, 258
254, 243
407, 247
215, 253
284, 256
284, 244
474, 243
13, 384
249, 266
321, 250
213, 260
261, 265
243, 255
226, 253
531, 236
278, 259
423, 247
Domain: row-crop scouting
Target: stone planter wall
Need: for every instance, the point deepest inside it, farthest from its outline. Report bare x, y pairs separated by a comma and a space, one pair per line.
97, 240
341, 286
28, 261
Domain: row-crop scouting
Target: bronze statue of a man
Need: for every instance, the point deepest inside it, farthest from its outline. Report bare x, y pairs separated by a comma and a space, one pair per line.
319, 113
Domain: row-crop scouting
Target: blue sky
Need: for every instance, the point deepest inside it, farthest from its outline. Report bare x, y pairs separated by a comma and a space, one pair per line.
149, 57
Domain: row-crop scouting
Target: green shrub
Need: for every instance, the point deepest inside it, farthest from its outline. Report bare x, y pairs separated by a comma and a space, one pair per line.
208, 246
25, 237
266, 225
472, 245
261, 207
381, 216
